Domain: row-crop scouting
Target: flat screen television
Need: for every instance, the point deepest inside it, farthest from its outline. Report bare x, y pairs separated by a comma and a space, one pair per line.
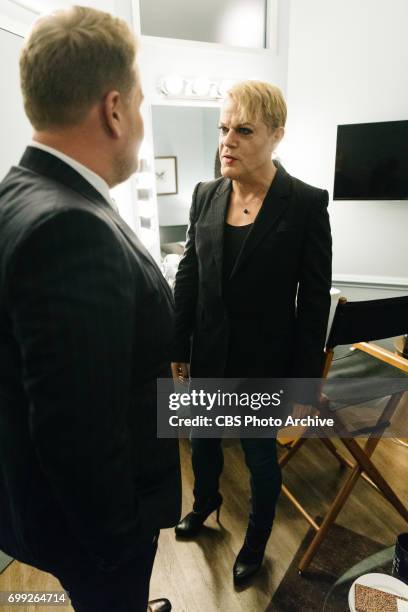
372, 161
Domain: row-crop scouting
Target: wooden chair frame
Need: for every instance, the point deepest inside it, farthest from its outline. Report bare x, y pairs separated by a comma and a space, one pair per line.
362, 465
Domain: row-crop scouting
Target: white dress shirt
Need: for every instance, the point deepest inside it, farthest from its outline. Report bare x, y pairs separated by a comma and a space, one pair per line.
94, 179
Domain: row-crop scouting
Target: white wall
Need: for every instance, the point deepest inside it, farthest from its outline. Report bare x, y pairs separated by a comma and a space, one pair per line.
15, 128
348, 63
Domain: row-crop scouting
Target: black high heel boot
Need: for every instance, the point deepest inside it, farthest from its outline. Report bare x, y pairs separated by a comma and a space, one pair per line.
249, 558
191, 524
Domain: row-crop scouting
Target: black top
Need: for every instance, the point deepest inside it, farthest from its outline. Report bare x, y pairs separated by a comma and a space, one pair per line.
234, 237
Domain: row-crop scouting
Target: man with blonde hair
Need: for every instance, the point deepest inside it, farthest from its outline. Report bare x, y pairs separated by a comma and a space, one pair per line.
85, 325
252, 296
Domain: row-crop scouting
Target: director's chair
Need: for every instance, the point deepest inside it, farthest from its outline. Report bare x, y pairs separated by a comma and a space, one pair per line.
357, 324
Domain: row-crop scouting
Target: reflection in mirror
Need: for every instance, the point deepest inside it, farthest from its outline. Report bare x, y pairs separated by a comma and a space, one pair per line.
190, 135
240, 23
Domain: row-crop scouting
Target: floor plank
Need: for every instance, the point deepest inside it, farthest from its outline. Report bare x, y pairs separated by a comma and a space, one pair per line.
196, 575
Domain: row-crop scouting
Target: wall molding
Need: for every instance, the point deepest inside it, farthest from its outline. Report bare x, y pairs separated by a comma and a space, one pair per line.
372, 282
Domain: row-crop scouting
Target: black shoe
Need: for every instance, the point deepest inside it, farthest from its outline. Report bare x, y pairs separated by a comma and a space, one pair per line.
250, 557
191, 524
159, 605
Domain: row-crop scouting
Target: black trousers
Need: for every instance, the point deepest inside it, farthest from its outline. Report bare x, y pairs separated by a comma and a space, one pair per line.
124, 590
265, 475
260, 453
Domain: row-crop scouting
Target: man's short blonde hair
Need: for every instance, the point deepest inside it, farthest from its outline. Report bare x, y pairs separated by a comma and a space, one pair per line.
259, 101
70, 60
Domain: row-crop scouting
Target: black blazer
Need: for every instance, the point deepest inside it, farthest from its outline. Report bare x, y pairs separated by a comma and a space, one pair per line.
85, 325
281, 281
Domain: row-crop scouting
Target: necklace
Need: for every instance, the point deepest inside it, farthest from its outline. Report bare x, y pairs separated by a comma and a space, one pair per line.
250, 211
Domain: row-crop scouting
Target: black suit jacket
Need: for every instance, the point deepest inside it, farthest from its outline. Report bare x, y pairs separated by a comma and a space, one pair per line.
281, 281
86, 320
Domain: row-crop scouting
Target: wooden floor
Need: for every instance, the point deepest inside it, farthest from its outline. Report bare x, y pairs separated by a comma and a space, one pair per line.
196, 576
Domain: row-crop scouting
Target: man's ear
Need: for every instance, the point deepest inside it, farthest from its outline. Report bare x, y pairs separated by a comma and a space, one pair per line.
279, 134
112, 114
276, 137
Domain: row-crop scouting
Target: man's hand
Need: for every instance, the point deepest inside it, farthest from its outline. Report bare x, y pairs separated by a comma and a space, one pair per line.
180, 371
300, 411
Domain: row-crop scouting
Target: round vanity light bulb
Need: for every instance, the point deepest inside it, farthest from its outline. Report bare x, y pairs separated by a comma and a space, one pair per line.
146, 150
201, 86
172, 85
144, 180
224, 86
145, 209
147, 236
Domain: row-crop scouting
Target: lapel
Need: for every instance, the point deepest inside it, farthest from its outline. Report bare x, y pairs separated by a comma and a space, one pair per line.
273, 207
46, 164
218, 212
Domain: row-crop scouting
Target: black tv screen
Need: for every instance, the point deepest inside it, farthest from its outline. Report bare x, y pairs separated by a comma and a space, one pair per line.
372, 161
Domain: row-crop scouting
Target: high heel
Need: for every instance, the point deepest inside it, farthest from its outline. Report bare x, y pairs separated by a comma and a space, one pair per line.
218, 512
191, 524
250, 557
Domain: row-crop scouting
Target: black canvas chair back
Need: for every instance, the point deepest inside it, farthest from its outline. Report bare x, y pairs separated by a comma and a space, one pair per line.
374, 375
368, 377
368, 320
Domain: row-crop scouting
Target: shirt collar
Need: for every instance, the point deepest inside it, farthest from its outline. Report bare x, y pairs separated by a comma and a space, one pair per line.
94, 179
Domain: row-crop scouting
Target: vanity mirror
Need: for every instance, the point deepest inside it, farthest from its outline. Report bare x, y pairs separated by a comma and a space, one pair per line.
239, 23
190, 135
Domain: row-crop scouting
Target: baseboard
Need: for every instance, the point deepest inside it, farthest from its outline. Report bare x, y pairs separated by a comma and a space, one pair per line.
371, 282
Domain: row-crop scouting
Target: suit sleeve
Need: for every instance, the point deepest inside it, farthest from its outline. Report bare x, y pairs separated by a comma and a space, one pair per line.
186, 291
72, 307
313, 298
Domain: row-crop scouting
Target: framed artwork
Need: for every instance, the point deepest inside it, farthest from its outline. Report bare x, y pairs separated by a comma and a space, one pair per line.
166, 175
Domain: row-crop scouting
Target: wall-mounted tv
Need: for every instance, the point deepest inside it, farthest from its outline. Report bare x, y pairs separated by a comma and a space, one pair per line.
372, 161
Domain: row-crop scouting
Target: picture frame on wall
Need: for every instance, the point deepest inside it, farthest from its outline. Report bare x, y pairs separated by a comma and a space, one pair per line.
166, 175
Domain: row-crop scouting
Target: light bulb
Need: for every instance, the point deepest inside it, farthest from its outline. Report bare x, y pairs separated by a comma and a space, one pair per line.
145, 209
147, 236
144, 180
224, 86
172, 85
201, 86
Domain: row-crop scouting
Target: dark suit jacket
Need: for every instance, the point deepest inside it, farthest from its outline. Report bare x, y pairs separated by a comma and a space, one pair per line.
281, 282
85, 324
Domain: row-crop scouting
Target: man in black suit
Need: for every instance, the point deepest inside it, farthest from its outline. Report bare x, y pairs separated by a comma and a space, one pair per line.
85, 326
252, 297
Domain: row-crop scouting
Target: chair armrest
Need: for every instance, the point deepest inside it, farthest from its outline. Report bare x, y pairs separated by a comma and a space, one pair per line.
383, 355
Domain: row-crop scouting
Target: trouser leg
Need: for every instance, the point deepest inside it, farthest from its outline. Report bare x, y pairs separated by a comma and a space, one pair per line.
122, 590
208, 461
265, 479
